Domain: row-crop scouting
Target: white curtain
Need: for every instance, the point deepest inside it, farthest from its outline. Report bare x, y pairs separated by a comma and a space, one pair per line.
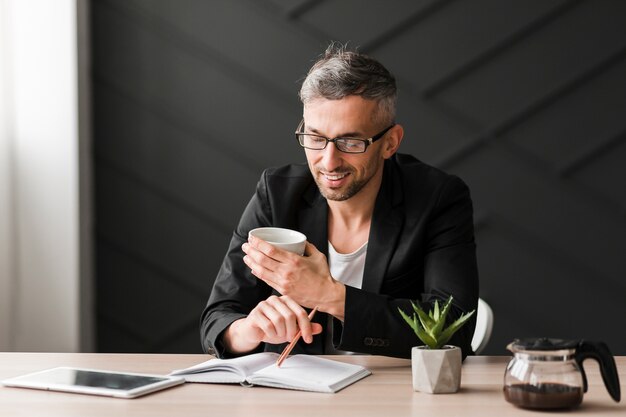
39, 176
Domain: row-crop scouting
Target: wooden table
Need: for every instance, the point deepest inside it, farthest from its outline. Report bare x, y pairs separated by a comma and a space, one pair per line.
388, 392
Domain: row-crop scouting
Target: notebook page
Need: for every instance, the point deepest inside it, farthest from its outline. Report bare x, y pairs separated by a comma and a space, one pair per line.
227, 370
309, 373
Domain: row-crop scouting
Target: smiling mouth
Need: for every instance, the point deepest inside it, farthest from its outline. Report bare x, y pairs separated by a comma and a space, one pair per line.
335, 177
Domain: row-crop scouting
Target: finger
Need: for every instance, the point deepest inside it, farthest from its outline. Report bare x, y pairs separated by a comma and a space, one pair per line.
256, 268
249, 249
309, 249
316, 328
262, 324
280, 316
261, 259
245, 246
289, 316
303, 319
277, 330
268, 249
265, 275
251, 263
261, 265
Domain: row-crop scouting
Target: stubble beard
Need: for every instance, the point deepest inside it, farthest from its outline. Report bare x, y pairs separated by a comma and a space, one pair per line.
338, 194
350, 190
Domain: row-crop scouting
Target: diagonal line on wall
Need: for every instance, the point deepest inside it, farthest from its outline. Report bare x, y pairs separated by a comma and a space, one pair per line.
608, 205
413, 19
604, 203
164, 196
459, 121
594, 151
560, 91
455, 117
297, 26
195, 47
498, 129
493, 51
541, 249
462, 151
618, 209
243, 160
158, 270
298, 9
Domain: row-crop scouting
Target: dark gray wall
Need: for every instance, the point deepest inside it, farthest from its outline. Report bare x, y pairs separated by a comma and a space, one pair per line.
525, 100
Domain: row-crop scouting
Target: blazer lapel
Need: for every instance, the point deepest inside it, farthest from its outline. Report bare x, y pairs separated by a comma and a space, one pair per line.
313, 222
313, 219
387, 222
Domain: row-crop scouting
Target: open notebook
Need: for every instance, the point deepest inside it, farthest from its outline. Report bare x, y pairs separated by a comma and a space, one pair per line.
299, 372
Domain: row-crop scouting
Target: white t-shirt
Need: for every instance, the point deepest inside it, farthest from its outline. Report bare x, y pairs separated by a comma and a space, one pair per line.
348, 269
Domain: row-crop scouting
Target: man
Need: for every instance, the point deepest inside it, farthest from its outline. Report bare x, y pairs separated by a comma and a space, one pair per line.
382, 229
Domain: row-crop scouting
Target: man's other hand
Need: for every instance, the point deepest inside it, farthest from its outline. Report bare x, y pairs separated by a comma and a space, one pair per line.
275, 320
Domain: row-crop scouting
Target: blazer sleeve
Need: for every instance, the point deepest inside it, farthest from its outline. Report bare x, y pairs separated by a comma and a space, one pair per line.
236, 291
372, 322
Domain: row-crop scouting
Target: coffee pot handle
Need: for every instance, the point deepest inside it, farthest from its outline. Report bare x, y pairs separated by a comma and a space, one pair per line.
601, 353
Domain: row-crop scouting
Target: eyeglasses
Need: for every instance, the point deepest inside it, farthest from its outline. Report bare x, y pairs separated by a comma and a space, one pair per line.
347, 145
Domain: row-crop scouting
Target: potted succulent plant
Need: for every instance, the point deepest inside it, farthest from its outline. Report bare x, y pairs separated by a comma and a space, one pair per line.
436, 366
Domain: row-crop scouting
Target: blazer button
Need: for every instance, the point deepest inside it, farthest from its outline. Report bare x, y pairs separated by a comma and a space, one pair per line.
368, 341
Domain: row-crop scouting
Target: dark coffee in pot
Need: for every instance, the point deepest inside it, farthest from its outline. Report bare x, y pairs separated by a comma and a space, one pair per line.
544, 396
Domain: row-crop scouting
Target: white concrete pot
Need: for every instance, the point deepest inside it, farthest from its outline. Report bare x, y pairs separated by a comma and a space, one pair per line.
436, 371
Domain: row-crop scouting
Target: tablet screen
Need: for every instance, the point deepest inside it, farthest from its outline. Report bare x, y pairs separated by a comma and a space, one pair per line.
90, 381
68, 376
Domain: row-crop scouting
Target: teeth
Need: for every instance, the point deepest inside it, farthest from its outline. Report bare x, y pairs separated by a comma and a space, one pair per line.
335, 177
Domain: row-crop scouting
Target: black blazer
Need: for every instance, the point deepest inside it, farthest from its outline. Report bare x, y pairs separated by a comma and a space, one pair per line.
421, 247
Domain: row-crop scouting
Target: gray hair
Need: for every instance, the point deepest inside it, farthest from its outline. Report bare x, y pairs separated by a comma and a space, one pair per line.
340, 73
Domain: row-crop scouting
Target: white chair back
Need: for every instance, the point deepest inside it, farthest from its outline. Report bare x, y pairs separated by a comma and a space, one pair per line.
484, 326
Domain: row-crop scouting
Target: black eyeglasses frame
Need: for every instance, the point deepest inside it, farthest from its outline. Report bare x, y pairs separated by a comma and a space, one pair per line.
367, 142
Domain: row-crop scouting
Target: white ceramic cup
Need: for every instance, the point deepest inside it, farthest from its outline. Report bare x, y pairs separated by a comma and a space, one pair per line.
281, 238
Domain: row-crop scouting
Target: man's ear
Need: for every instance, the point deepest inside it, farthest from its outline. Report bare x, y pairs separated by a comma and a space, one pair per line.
393, 138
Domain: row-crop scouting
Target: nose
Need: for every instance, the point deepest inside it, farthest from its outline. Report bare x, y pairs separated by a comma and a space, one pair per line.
331, 157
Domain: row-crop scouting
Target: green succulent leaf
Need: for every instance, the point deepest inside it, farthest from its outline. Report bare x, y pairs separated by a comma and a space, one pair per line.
412, 321
452, 328
430, 341
444, 313
429, 327
419, 330
426, 321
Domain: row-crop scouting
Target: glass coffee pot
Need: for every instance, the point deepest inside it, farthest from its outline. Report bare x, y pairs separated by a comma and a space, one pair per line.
548, 373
